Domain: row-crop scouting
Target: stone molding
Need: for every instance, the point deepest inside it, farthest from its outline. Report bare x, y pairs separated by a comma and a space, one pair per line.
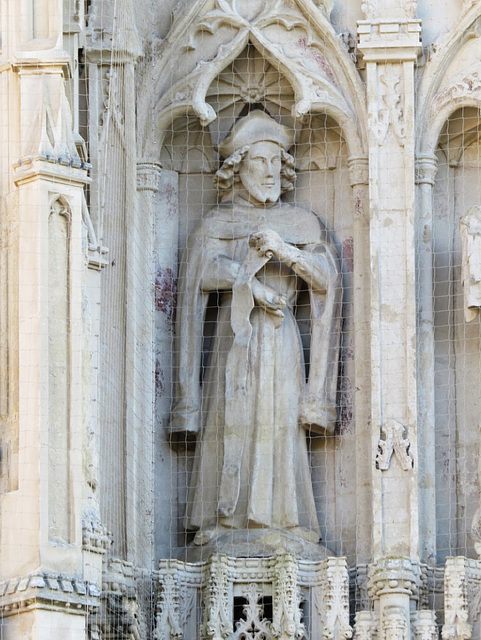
394, 576
358, 170
389, 40
31, 167
426, 168
148, 175
43, 590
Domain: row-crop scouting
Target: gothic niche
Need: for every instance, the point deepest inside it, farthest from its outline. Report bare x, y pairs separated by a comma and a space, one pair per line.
456, 229
275, 271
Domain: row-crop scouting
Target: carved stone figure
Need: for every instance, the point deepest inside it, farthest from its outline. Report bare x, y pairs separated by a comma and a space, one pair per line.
470, 227
249, 384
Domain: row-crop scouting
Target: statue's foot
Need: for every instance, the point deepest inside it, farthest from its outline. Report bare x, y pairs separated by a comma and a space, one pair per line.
203, 536
306, 534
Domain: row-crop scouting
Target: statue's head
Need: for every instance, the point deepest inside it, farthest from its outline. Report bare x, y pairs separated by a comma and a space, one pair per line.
257, 161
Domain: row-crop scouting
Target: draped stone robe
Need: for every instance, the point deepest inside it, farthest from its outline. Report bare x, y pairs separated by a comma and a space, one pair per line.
256, 400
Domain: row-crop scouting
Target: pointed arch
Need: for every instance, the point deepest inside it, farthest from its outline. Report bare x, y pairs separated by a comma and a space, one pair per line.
436, 103
298, 41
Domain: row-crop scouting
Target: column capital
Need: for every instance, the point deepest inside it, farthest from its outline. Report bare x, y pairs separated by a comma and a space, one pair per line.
426, 168
358, 170
392, 575
148, 175
389, 40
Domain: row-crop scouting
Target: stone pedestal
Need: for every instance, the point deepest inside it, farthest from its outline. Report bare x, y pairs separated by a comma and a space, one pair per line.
271, 597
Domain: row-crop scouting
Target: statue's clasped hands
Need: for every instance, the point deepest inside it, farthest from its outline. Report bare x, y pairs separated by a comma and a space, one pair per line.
268, 244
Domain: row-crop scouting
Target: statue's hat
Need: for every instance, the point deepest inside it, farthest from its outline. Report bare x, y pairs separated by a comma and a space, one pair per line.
256, 127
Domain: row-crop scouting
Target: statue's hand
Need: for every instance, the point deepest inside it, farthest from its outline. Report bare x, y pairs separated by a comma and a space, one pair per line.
269, 299
268, 243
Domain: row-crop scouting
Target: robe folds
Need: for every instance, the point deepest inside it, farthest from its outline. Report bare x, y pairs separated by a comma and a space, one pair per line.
256, 395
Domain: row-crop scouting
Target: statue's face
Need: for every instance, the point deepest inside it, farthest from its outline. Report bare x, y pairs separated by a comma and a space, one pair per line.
260, 172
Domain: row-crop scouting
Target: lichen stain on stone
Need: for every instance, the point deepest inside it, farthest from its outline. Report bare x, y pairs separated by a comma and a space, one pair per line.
159, 379
318, 57
345, 395
358, 207
348, 253
171, 198
165, 293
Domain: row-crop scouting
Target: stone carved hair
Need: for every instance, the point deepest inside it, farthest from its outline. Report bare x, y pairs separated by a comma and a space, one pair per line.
227, 175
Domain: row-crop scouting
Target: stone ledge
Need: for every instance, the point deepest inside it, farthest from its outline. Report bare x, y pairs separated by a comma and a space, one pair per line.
47, 591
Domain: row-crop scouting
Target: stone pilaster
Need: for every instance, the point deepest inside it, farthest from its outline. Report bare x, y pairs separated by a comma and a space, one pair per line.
389, 40
112, 50
390, 45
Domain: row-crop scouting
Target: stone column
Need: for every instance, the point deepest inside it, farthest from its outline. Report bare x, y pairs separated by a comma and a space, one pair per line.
389, 40
359, 177
426, 168
166, 222
143, 364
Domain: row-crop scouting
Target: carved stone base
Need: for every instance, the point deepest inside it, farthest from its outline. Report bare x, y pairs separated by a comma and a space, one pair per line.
275, 597
256, 543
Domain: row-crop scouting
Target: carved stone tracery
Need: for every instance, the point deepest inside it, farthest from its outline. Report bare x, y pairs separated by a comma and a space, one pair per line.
255, 626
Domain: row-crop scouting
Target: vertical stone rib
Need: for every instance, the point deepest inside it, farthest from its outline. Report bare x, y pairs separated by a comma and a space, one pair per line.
58, 373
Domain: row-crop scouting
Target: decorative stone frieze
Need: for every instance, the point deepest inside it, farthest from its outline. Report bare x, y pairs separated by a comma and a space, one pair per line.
43, 590
394, 576
183, 586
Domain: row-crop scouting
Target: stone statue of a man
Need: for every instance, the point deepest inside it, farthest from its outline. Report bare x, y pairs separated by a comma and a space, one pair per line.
253, 396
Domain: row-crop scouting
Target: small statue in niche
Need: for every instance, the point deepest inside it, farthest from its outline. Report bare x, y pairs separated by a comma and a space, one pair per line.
470, 227
264, 259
